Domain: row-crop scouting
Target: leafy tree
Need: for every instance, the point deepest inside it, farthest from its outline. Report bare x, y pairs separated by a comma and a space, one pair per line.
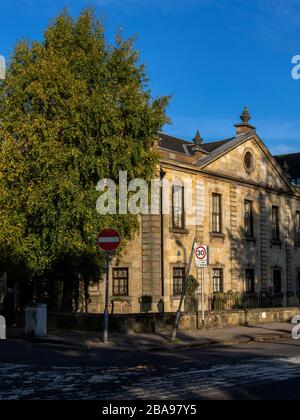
73, 110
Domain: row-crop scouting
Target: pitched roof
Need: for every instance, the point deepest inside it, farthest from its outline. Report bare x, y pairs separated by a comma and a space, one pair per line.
218, 148
178, 145
173, 144
210, 147
226, 146
292, 161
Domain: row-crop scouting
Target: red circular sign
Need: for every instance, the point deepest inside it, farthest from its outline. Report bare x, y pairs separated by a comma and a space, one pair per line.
108, 240
201, 253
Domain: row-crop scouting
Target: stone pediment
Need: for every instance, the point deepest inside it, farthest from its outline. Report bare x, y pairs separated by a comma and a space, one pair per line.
247, 158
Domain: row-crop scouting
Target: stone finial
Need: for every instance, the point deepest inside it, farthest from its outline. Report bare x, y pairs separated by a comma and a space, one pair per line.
244, 127
246, 117
198, 140
197, 148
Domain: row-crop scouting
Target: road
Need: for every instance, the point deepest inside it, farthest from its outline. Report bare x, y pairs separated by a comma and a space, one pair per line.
254, 371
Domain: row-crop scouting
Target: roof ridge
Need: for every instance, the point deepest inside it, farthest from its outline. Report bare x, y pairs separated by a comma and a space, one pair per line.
179, 145
174, 137
287, 154
220, 141
191, 142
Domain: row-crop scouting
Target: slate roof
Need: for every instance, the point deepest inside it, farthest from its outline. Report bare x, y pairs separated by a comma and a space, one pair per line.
293, 163
223, 148
217, 148
173, 144
178, 145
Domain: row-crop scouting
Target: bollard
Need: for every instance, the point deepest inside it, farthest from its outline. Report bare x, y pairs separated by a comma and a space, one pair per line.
36, 320
2, 328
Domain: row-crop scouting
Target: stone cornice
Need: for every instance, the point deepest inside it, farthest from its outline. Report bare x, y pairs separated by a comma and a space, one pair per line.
191, 169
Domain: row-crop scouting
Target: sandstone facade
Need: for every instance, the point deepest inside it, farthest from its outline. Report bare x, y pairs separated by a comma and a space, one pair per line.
239, 170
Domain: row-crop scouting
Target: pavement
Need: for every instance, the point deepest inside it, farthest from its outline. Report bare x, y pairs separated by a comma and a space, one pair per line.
159, 342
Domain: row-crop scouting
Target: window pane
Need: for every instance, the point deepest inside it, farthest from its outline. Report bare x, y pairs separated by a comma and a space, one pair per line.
178, 207
275, 224
277, 281
216, 213
218, 281
120, 281
248, 218
178, 280
250, 281
216, 203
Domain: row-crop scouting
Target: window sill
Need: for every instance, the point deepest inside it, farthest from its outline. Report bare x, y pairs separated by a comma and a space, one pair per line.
250, 239
175, 297
276, 243
120, 298
217, 235
179, 231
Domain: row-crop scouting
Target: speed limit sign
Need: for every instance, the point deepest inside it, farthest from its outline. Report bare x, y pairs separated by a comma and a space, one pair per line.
201, 256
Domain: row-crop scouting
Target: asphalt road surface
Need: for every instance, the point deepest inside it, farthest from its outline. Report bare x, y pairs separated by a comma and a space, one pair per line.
248, 372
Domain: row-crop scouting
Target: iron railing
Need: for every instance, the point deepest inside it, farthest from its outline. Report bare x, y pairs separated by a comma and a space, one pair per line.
230, 302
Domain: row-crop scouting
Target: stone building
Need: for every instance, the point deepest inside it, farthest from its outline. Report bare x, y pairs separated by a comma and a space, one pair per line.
247, 210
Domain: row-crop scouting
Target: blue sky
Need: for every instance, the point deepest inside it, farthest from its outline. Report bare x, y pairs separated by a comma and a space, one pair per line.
213, 56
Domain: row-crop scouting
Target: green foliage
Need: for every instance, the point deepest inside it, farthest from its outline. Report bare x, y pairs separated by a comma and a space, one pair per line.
222, 301
191, 301
192, 286
234, 297
73, 110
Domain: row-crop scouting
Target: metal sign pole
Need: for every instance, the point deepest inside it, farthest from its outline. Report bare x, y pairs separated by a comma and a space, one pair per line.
202, 261
202, 296
178, 314
108, 240
106, 314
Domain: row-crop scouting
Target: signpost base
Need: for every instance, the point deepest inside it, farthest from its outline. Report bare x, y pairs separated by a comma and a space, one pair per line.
105, 331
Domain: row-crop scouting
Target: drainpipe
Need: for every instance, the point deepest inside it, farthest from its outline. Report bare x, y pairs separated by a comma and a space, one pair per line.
286, 299
162, 265
287, 243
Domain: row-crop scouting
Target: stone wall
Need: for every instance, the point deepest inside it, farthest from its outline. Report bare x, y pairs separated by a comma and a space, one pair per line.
159, 323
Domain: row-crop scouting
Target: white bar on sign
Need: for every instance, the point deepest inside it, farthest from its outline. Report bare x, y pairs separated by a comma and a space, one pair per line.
106, 240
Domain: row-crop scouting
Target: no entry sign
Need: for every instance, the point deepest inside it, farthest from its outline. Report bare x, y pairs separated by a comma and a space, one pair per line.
201, 256
108, 240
